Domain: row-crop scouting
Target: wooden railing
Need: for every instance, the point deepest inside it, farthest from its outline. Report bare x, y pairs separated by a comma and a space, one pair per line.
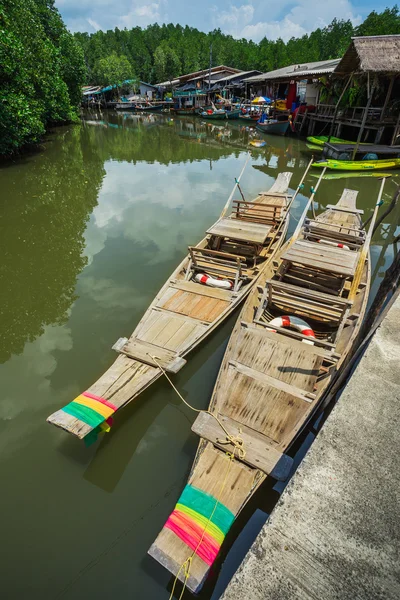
354, 114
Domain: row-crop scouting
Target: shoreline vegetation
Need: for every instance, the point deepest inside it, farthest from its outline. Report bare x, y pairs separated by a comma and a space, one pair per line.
43, 66
42, 69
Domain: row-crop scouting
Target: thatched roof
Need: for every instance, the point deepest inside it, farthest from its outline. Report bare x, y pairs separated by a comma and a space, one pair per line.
376, 53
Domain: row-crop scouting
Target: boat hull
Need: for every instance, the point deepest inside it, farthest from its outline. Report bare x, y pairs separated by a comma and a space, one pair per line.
358, 165
213, 116
320, 140
180, 317
233, 114
275, 128
264, 396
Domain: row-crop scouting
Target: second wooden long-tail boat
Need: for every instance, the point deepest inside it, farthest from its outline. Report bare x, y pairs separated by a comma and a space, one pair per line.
291, 339
199, 295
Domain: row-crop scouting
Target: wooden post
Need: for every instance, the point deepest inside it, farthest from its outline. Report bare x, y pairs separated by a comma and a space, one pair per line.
389, 93
396, 131
337, 106
364, 119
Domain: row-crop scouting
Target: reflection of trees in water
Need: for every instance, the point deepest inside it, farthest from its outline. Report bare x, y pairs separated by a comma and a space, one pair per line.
47, 200
153, 137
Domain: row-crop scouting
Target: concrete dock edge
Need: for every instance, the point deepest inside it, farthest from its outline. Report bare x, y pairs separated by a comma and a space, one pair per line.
335, 532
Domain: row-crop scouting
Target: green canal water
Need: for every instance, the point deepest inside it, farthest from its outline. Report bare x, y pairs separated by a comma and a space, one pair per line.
91, 226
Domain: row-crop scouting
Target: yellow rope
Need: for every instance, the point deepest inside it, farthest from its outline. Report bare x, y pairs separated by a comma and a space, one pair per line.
238, 447
236, 441
186, 565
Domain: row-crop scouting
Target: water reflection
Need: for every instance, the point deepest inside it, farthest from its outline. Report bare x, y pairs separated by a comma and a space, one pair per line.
107, 211
44, 209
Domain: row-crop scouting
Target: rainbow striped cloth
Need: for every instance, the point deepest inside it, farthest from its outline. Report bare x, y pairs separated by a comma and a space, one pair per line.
94, 411
191, 522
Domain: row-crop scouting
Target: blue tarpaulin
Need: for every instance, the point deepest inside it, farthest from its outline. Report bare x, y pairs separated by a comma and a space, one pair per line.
112, 87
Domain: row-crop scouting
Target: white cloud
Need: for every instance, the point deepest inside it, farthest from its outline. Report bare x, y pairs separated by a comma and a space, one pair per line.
143, 14
302, 18
232, 20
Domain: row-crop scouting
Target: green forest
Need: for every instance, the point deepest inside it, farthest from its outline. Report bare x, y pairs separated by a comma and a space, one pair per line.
42, 69
43, 66
161, 52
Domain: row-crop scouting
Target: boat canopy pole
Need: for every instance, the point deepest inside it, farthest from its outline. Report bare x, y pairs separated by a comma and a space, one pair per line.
301, 184
289, 206
306, 208
365, 249
237, 181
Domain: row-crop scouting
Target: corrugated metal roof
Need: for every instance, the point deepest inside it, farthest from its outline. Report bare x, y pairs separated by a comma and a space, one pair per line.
300, 70
375, 53
190, 76
240, 75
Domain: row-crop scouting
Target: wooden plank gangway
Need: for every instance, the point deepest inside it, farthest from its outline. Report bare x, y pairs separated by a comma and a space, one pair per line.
186, 311
293, 336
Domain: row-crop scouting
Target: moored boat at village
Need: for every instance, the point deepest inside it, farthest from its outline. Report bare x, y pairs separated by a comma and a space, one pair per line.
358, 165
291, 339
320, 140
190, 110
234, 113
217, 114
200, 294
248, 116
273, 126
352, 157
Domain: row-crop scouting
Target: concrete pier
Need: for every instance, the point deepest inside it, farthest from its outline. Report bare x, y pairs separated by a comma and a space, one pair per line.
335, 533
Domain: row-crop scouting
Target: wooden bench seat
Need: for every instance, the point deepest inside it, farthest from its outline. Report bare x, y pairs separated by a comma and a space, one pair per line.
238, 229
325, 258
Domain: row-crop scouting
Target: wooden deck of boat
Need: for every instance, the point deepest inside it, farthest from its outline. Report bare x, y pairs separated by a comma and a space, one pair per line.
184, 312
270, 381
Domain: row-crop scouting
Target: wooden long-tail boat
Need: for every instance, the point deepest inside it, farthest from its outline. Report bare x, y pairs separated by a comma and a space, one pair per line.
232, 257
272, 380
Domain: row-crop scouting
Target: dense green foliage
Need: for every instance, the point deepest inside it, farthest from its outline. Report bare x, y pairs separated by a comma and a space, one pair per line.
41, 70
159, 53
113, 69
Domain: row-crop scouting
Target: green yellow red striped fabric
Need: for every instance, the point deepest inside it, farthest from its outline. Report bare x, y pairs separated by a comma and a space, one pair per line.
201, 522
93, 410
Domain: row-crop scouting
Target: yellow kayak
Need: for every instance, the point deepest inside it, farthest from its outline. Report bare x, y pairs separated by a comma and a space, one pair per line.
358, 165
320, 140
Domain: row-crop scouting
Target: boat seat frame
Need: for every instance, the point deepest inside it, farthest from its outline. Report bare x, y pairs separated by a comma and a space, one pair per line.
311, 304
222, 264
256, 212
314, 230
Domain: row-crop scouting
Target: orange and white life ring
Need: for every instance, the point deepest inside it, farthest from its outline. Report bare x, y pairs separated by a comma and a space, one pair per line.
224, 284
296, 323
333, 244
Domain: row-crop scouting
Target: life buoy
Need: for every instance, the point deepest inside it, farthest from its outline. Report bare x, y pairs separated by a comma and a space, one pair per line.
224, 284
333, 244
296, 323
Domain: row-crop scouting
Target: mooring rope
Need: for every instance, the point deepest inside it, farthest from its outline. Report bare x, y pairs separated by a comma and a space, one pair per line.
238, 451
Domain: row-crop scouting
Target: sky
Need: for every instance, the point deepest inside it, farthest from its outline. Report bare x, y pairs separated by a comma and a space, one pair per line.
251, 19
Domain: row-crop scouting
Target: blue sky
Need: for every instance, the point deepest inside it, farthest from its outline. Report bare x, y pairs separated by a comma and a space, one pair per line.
252, 19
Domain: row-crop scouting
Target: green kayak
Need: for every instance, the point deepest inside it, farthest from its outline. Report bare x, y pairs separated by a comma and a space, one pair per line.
320, 140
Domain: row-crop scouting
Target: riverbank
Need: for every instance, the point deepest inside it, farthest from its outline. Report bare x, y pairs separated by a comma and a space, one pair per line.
335, 532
